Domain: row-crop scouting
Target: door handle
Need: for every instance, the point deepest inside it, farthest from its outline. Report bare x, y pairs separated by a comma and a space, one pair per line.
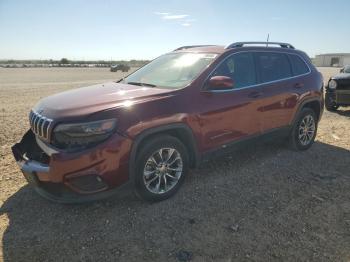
255, 94
298, 85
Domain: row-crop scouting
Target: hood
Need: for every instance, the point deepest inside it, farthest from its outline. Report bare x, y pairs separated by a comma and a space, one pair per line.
91, 99
341, 76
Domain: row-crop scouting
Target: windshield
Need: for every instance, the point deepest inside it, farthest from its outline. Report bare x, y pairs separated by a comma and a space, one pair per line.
174, 70
347, 69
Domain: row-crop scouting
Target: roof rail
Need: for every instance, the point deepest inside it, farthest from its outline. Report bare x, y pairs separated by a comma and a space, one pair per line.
241, 44
190, 46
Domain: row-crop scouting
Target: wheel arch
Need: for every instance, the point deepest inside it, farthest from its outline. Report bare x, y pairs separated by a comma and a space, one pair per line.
180, 131
314, 104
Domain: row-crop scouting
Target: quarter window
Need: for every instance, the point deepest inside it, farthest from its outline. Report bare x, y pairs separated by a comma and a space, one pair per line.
240, 67
298, 65
273, 66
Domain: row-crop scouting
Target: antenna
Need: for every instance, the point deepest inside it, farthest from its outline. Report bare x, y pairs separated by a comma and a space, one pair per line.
267, 40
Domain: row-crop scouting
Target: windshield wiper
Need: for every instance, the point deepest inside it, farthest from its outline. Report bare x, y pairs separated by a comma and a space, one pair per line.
141, 84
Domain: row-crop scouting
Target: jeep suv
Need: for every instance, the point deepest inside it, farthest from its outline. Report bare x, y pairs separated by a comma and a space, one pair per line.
121, 67
149, 128
338, 90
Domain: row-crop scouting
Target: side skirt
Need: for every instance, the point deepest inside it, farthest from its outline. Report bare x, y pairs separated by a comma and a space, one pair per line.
272, 135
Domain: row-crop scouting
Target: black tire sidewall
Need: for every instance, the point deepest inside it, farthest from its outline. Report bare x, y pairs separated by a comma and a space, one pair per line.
145, 152
294, 139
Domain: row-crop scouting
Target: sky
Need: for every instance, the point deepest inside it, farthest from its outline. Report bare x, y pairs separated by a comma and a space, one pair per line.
105, 29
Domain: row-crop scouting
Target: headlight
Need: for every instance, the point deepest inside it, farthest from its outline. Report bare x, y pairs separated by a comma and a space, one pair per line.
332, 84
80, 135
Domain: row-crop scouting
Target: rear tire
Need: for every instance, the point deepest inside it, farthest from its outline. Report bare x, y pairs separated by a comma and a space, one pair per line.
161, 166
304, 130
330, 104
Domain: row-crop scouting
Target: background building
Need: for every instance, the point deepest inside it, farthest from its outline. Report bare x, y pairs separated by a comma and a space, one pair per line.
336, 59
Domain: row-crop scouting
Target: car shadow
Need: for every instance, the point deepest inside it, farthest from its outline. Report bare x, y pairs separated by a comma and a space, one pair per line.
343, 112
121, 228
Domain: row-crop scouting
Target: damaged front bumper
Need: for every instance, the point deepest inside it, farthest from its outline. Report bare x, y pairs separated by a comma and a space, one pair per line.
77, 177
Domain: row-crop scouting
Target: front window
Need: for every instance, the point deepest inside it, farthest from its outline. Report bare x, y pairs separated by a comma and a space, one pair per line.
174, 70
347, 69
240, 68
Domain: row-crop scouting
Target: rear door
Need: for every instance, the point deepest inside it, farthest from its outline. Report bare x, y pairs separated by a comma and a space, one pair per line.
277, 85
229, 115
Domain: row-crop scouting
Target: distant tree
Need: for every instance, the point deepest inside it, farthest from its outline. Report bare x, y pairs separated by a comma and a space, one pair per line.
64, 61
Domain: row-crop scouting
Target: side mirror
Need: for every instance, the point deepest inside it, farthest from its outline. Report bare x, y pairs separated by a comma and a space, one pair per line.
342, 70
220, 82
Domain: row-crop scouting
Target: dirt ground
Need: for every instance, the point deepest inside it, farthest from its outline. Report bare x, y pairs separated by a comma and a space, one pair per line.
263, 203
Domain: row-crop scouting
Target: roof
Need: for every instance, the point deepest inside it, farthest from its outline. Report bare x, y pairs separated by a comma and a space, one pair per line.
218, 49
221, 49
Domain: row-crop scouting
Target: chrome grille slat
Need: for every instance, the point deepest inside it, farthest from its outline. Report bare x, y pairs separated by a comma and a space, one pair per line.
35, 121
31, 115
32, 118
40, 125
48, 127
37, 124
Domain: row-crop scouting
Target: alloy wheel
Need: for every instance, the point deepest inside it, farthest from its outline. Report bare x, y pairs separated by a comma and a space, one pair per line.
307, 129
162, 170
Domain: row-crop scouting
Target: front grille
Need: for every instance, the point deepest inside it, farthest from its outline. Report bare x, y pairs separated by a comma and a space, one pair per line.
343, 97
40, 125
343, 84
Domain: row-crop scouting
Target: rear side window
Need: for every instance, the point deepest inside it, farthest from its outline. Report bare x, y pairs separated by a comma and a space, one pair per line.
240, 67
299, 67
273, 66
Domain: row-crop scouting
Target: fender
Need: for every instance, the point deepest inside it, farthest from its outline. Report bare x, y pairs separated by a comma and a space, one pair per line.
302, 104
148, 132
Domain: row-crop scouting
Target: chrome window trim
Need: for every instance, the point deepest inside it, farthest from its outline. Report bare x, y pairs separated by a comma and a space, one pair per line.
256, 85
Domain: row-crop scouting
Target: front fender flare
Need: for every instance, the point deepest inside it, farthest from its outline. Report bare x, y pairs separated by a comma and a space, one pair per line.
160, 129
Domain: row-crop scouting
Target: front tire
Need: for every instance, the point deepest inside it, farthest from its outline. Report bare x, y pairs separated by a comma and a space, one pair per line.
304, 130
161, 166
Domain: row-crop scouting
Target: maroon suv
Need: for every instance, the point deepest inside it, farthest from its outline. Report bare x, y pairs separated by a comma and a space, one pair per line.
149, 128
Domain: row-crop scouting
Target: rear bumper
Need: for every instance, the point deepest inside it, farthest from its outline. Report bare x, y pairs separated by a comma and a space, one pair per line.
77, 177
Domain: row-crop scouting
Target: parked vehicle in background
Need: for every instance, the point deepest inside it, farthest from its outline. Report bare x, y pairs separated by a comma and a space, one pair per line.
120, 67
345, 69
338, 90
149, 128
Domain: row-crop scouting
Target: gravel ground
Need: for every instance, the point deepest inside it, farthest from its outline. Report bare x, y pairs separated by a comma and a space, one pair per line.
261, 203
